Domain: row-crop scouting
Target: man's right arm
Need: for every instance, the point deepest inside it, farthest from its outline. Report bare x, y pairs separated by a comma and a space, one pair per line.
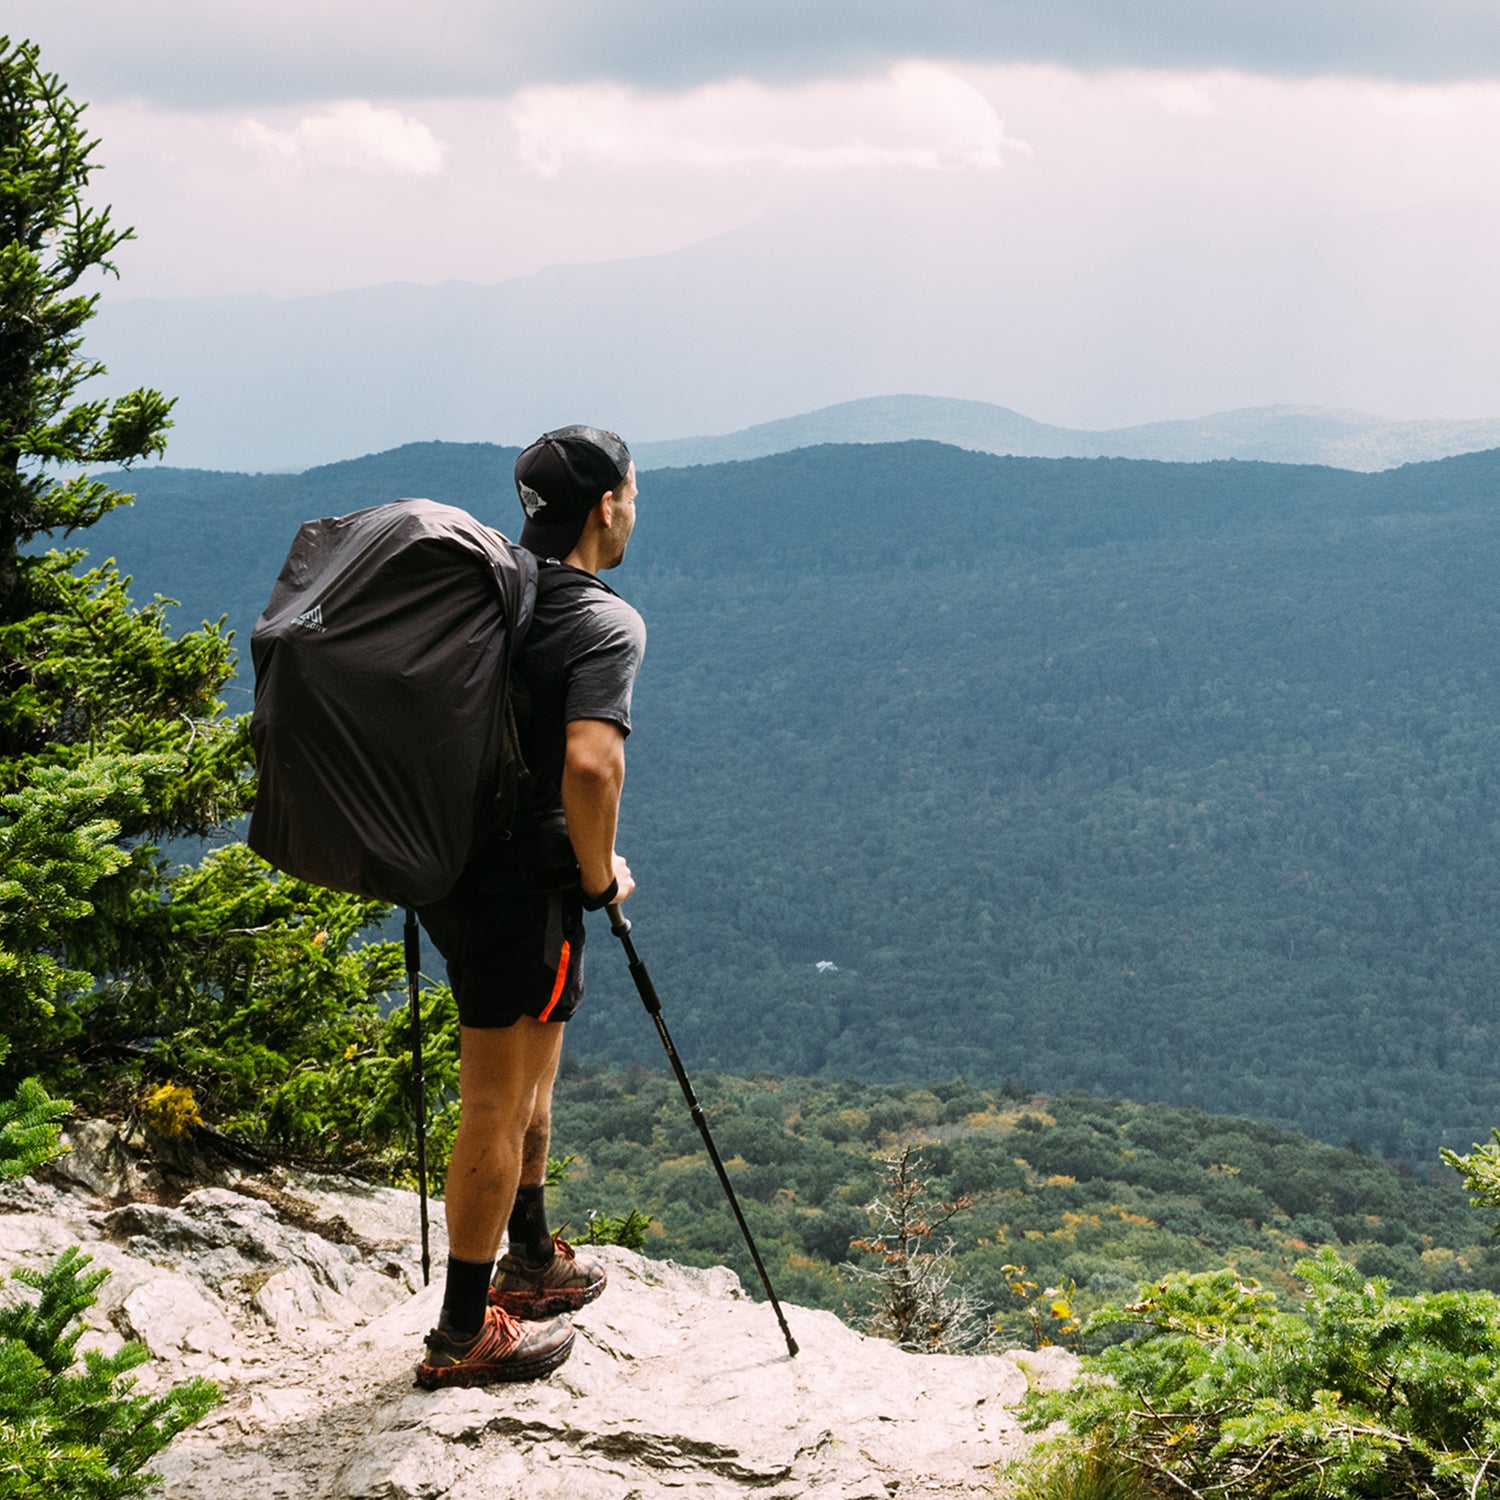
593, 776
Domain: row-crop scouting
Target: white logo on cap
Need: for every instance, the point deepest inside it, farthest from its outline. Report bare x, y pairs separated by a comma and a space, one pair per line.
531, 502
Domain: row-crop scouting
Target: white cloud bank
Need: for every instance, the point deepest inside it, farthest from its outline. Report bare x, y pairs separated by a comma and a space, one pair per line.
918, 115
352, 135
1174, 243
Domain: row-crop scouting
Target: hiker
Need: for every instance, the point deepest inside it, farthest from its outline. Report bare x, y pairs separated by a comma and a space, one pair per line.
512, 932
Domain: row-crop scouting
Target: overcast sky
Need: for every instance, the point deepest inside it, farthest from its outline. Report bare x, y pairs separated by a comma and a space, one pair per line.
297, 147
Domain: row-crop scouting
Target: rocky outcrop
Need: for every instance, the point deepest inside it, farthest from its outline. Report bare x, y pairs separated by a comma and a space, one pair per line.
301, 1296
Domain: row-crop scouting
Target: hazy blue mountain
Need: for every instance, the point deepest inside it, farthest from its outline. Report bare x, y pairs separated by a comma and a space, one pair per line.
1275, 434
749, 327
1176, 782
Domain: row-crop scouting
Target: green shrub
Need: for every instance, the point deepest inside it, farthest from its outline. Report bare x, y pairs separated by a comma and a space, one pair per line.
1362, 1395
1480, 1171
72, 1429
28, 1126
629, 1229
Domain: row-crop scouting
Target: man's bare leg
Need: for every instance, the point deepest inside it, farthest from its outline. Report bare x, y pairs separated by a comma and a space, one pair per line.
505, 1098
500, 1072
540, 1275
527, 1230
538, 1136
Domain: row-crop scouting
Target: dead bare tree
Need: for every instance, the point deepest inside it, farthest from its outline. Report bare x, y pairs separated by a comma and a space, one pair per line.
916, 1304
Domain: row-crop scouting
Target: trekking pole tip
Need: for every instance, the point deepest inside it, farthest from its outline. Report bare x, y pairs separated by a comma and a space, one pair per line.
618, 923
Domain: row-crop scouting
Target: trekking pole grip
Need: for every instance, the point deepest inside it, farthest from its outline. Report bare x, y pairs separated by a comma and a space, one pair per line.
619, 923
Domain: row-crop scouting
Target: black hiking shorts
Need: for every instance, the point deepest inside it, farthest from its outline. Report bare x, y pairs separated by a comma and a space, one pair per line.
510, 956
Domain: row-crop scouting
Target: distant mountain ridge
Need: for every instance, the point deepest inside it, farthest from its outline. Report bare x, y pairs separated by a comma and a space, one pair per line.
746, 327
1272, 434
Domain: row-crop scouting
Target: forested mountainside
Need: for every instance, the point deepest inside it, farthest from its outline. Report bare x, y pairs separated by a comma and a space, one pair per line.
1170, 782
1081, 1190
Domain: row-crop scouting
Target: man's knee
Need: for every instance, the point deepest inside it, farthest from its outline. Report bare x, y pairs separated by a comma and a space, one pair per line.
498, 1110
506, 1077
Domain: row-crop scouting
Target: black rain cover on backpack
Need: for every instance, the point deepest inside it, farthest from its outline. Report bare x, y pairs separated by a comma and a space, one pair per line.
382, 667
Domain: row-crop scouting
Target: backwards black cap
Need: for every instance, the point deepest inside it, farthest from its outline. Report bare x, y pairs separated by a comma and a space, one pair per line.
560, 478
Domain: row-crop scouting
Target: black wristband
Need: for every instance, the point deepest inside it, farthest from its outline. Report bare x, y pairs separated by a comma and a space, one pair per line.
608, 894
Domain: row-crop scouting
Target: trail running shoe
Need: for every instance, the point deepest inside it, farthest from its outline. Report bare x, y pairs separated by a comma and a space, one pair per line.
564, 1284
503, 1349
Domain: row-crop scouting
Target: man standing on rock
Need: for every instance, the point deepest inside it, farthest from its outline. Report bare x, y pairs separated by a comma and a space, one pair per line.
512, 929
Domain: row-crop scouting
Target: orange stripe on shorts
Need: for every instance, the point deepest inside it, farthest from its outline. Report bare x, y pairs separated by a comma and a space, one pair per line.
562, 979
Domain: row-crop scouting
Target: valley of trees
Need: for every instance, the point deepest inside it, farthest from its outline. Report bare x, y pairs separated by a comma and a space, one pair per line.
1170, 782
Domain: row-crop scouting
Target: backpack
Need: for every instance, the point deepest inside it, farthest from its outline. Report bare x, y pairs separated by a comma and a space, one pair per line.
384, 740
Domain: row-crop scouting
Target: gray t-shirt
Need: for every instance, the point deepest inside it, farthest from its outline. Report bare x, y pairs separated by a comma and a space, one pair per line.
578, 661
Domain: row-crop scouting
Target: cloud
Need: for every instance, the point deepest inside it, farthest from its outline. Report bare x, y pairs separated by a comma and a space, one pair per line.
247, 54
917, 115
1177, 243
353, 135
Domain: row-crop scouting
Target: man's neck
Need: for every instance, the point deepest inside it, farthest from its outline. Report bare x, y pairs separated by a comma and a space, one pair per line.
584, 557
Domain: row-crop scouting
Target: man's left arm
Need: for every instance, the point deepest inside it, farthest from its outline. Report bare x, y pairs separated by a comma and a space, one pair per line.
593, 777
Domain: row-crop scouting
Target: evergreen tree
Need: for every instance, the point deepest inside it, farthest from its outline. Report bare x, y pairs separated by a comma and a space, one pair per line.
72, 1427
110, 729
51, 243
117, 970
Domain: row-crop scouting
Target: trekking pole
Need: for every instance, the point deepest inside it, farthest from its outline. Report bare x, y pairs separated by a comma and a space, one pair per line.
418, 1087
620, 926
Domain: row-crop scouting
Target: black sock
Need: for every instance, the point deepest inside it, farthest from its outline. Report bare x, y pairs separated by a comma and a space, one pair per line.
528, 1231
466, 1294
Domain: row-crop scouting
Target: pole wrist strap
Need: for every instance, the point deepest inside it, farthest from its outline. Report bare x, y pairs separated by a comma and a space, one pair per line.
603, 899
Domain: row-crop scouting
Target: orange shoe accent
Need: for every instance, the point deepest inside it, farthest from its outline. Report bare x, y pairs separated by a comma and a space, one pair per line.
562, 979
567, 1282
503, 1349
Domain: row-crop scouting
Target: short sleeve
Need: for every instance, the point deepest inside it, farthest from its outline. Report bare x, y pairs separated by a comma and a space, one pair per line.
604, 655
